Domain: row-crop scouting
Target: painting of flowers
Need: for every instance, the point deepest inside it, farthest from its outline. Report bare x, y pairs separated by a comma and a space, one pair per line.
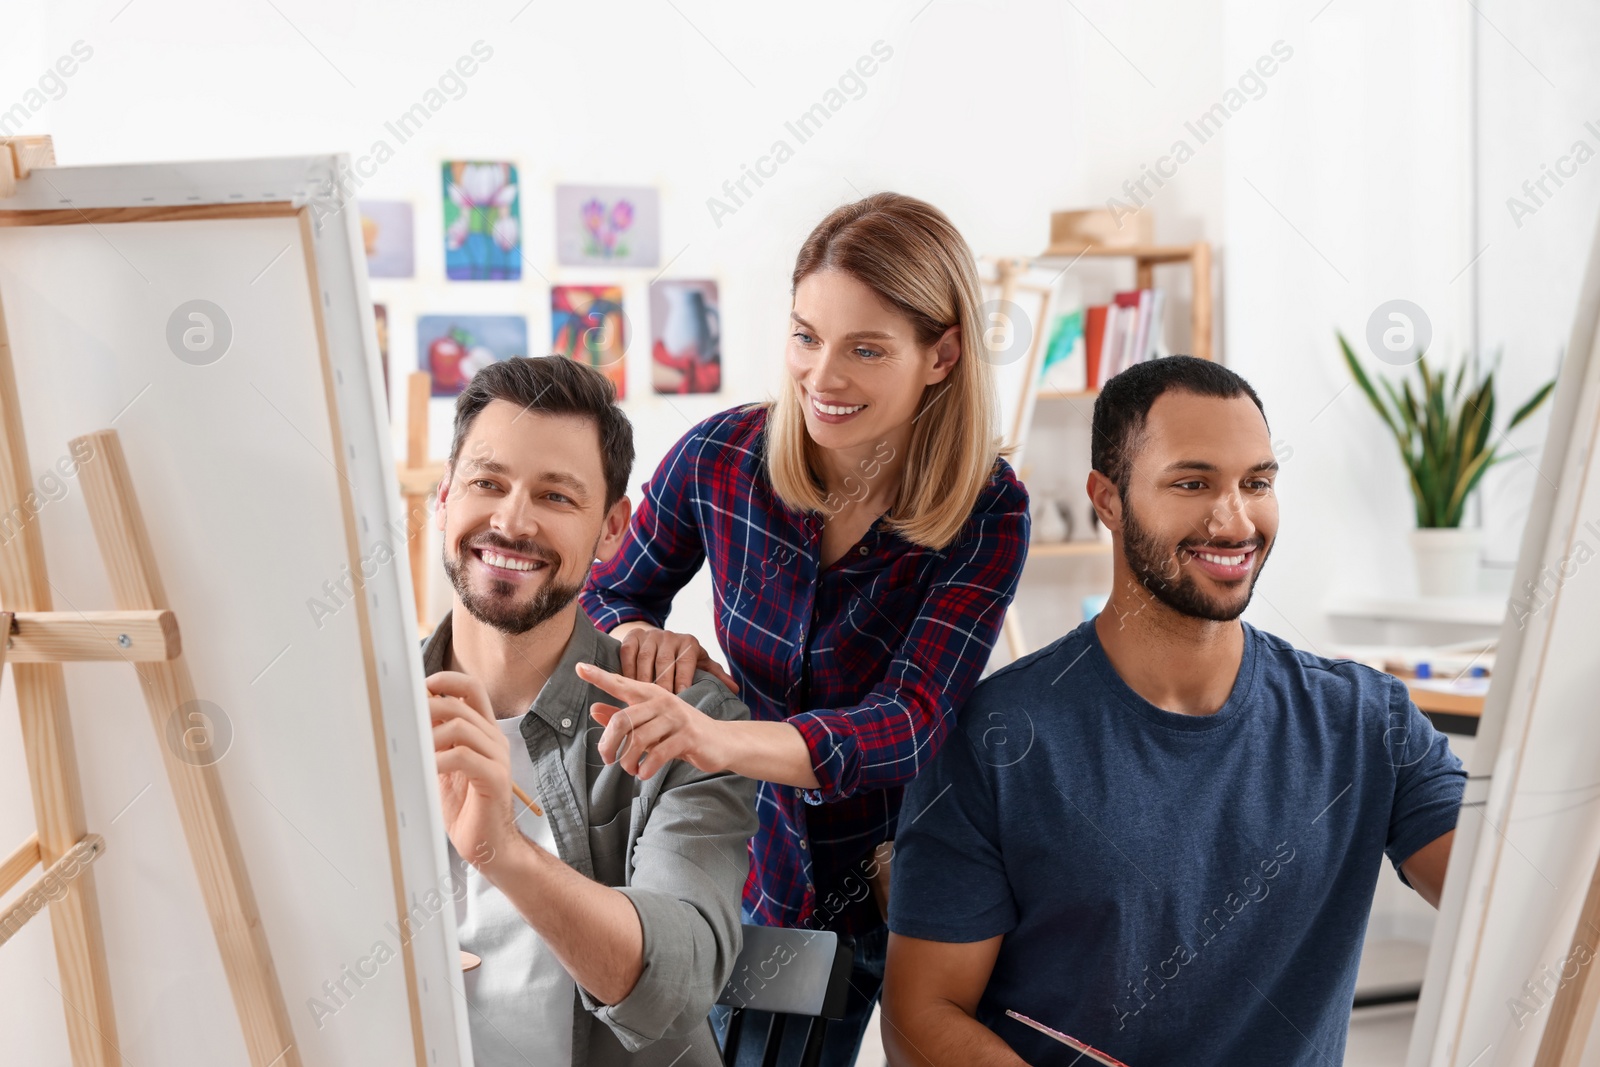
482, 222
607, 225
587, 324
452, 348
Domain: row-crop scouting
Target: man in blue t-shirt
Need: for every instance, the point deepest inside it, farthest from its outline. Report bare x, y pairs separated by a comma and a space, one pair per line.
1161, 834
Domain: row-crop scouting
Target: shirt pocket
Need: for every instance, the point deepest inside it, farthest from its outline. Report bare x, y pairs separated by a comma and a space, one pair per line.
608, 846
611, 846
638, 812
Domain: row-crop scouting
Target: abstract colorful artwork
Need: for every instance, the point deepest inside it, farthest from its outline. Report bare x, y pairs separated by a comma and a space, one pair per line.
685, 337
607, 226
587, 324
482, 222
452, 348
387, 234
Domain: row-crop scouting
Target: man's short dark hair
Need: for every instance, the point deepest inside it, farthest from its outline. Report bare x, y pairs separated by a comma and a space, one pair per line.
554, 385
1124, 404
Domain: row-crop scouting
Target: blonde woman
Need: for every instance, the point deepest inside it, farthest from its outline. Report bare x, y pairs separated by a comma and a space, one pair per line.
864, 537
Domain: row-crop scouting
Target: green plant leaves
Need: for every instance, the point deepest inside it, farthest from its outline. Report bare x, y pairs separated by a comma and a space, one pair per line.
1442, 429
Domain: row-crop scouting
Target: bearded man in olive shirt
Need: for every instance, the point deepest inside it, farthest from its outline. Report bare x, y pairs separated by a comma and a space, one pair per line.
607, 919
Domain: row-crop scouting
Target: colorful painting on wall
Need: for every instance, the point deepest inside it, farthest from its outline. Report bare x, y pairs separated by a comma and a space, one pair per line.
380, 312
607, 226
587, 324
452, 348
386, 231
685, 337
482, 222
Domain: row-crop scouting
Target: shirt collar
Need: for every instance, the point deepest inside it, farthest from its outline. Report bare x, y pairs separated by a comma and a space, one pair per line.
563, 701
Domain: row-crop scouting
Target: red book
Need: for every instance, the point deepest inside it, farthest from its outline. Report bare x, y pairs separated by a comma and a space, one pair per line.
1094, 335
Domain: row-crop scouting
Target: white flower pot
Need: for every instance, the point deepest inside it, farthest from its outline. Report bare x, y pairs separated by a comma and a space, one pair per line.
1447, 560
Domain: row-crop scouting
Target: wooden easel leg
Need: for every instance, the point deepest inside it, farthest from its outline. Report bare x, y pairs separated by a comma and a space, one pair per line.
52, 759
1566, 1035
225, 883
58, 808
419, 386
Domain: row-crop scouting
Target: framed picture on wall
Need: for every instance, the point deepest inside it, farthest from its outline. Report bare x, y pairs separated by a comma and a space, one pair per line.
587, 323
685, 337
607, 226
482, 222
386, 232
452, 348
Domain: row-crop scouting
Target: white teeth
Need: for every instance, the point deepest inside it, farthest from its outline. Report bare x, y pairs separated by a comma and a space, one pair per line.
833, 409
1224, 561
494, 559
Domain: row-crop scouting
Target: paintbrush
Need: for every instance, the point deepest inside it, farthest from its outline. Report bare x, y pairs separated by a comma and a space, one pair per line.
526, 799
1071, 1042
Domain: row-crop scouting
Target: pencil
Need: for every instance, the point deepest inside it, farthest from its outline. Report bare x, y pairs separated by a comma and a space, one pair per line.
526, 799
515, 788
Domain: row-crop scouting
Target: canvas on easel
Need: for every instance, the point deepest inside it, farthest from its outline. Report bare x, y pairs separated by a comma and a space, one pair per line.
1510, 978
200, 335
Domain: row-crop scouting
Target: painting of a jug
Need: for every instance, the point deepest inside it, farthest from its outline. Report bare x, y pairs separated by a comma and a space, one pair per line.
686, 342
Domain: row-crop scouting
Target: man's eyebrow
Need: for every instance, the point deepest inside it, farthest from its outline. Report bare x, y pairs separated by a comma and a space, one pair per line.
571, 481
487, 466
490, 466
1202, 465
856, 335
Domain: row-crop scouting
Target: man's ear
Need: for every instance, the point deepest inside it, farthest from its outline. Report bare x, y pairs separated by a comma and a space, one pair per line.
946, 354
613, 529
441, 492
1106, 500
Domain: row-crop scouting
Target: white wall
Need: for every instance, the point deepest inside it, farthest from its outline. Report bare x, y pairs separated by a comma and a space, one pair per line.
1346, 187
1537, 94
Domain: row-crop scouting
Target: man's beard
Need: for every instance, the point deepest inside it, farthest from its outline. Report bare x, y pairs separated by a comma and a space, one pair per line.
497, 608
1159, 571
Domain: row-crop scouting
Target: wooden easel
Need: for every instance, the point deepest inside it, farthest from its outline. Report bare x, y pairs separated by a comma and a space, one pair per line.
418, 479
1566, 1035
143, 632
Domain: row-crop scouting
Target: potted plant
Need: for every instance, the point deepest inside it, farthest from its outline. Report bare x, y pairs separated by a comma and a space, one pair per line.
1444, 428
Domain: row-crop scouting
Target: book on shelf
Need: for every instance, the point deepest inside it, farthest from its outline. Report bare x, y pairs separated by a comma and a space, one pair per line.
1124, 332
1094, 338
1064, 369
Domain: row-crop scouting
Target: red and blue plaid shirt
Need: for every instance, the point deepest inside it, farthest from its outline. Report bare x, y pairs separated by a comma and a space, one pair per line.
869, 658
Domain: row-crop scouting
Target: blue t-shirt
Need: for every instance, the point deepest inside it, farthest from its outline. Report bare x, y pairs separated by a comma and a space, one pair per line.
1173, 889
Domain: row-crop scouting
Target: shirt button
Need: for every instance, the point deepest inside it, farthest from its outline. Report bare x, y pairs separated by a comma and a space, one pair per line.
862, 550
803, 845
809, 889
566, 724
799, 792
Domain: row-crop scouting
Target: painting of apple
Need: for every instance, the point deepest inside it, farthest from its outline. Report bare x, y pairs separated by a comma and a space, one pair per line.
452, 348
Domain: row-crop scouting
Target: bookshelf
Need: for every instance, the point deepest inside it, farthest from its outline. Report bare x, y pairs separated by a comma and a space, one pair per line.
1146, 258
1011, 280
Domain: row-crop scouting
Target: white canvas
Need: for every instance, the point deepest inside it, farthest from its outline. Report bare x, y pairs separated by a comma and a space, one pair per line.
234, 464
1529, 833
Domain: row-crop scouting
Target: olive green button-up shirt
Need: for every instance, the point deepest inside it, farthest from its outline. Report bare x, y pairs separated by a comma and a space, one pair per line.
675, 845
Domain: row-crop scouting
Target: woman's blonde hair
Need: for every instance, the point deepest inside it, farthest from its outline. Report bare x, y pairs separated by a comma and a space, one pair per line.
908, 253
